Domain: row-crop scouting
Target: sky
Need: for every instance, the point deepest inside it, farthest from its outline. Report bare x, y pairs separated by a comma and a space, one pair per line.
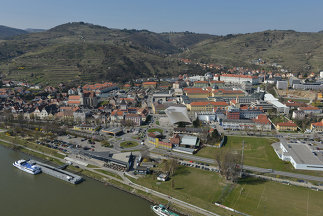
218, 17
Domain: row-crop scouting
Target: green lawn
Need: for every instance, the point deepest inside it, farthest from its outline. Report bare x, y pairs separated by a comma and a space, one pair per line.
277, 119
109, 173
128, 144
256, 197
257, 152
155, 129
32, 145
251, 196
196, 186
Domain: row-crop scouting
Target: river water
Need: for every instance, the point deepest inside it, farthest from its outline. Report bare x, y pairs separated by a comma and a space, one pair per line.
42, 195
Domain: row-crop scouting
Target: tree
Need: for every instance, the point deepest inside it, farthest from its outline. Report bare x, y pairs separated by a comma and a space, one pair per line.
197, 123
170, 166
228, 164
214, 137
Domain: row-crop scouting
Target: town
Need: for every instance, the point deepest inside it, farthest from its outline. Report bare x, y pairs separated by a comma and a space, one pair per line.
221, 122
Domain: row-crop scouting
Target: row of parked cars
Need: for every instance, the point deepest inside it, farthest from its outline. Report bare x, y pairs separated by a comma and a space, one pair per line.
199, 166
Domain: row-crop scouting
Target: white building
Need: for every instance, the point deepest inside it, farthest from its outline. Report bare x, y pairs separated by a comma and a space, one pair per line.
283, 85
321, 74
300, 155
281, 108
238, 78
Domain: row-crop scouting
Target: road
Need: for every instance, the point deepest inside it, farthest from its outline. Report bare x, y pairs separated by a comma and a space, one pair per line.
245, 167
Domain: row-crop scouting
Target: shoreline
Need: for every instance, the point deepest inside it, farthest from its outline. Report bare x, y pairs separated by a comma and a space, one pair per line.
105, 181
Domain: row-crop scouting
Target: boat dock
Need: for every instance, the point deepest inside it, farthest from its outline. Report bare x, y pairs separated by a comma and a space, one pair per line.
58, 173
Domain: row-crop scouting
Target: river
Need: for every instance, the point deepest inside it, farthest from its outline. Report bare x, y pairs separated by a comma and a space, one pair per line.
42, 195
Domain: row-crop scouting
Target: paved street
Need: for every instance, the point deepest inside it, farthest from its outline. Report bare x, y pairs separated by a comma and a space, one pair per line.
250, 168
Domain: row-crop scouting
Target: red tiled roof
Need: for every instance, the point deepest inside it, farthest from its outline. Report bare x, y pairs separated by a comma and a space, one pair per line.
318, 124
74, 97
287, 124
213, 103
74, 102
149, 83
261, 119
309, 108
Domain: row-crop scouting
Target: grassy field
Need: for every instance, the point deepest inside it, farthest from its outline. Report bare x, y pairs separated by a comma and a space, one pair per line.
251, 196
257, 197
257, 152
109, 173
191, 185
278, 119
32, 145
155, 129
128, 144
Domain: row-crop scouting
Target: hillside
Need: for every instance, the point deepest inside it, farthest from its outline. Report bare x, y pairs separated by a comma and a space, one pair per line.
79, 51
297, 51
85, 52
6, 32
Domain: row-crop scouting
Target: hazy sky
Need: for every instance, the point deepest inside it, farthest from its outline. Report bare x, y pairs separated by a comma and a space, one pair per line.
203, 16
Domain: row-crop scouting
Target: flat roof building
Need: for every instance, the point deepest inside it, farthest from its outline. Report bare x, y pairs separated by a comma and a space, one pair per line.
301, 155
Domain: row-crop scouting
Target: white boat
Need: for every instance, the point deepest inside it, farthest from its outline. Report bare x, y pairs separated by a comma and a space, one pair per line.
24, 165
162, 210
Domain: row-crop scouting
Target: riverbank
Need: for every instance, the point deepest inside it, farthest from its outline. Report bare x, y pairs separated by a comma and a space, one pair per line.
125, 184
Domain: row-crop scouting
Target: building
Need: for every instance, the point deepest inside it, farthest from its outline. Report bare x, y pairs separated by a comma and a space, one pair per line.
239, 79
197, 93
250, 112
149, 84
75, 100
263, 104
206, 106
283, 85
281, 108
206, 116
300, 155
317, 126
298, 114
286, 126
154, 139
310, 110
177, 115
100, 88
309, 86
134, 118
201, 84
86, 128
185, 143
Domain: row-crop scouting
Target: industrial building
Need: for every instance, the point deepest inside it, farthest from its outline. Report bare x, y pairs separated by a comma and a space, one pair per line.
302, 155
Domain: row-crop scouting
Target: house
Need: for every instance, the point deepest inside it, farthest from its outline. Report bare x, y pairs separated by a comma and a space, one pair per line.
206, 106
201, 84
117, 115
162, 177
310, 110
298, 114
286, 126
75, 100
134, 118
317, 126
149, 84
239, 78
197, 93
86, 128
262, 123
